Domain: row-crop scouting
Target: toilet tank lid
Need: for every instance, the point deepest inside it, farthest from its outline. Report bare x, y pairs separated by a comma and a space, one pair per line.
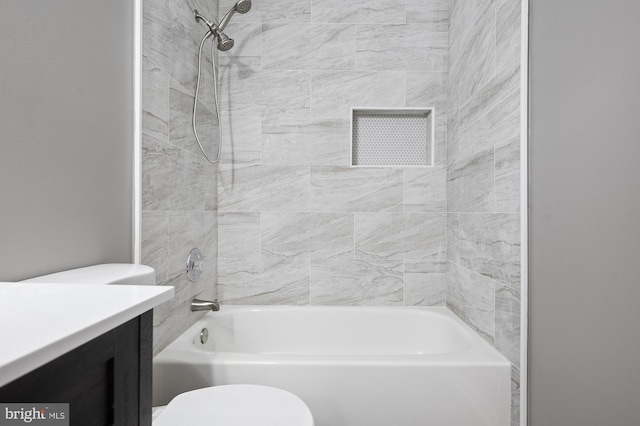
111, 273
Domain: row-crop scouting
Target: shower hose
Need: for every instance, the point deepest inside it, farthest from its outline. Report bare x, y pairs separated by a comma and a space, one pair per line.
215, 98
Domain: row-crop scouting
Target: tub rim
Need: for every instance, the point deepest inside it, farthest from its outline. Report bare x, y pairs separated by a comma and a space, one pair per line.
185, 349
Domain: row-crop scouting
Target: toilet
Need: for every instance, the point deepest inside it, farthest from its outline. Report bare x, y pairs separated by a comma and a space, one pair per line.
228, 405
235, 405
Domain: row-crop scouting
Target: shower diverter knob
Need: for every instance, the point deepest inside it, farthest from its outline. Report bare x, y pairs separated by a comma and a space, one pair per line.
195, 265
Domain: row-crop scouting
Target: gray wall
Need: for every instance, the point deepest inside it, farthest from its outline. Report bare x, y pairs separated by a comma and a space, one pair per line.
179, 193
66, 135
297, 224
585, 213
483, 174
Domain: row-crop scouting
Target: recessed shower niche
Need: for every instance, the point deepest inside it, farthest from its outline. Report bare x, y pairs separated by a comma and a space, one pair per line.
392, 137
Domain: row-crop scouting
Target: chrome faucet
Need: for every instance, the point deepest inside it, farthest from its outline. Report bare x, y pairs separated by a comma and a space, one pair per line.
204, 305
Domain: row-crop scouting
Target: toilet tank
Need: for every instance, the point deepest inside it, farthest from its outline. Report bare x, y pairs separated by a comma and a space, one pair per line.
111, 273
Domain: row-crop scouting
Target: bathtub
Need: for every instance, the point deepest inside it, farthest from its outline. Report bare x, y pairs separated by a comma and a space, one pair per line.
353, 366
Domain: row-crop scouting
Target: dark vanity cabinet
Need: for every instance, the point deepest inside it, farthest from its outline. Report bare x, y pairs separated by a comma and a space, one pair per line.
106, 381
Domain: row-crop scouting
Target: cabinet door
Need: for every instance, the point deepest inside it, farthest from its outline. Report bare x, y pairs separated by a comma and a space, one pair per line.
106, 381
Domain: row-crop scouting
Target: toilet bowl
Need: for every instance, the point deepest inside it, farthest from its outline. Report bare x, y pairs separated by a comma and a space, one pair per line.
236, 405
228, 405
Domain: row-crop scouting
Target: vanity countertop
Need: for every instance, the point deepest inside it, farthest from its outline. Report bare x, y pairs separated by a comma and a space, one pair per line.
40, 322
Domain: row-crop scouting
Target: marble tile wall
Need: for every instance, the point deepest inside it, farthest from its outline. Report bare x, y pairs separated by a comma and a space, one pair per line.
287, 218
483, 174
179, 189
297, 224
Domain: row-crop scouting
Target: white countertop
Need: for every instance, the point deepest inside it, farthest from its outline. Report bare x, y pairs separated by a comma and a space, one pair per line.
39, 322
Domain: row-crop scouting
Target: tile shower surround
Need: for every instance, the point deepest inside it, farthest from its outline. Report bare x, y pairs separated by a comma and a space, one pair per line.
292, 221
290, 204
483, 174
179, 195
387, 236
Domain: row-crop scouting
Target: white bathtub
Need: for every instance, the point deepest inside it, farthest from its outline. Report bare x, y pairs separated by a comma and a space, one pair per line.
353, 366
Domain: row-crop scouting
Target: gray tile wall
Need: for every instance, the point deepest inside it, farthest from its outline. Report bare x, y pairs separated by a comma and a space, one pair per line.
483, 174
297, 224
289, 221
179, 189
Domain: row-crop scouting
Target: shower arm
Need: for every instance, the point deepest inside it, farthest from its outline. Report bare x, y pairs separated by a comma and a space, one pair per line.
213, 26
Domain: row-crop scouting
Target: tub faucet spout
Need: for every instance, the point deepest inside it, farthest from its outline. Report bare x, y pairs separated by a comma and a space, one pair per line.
204, 305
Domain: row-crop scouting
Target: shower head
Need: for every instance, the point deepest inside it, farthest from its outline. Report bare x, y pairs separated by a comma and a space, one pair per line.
224, 42
241, 6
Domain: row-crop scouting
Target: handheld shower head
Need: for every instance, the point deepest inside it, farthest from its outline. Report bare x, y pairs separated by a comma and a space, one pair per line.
241, 6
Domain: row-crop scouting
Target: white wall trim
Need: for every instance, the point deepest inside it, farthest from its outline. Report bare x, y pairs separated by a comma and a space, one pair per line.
524, 209
137, 131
